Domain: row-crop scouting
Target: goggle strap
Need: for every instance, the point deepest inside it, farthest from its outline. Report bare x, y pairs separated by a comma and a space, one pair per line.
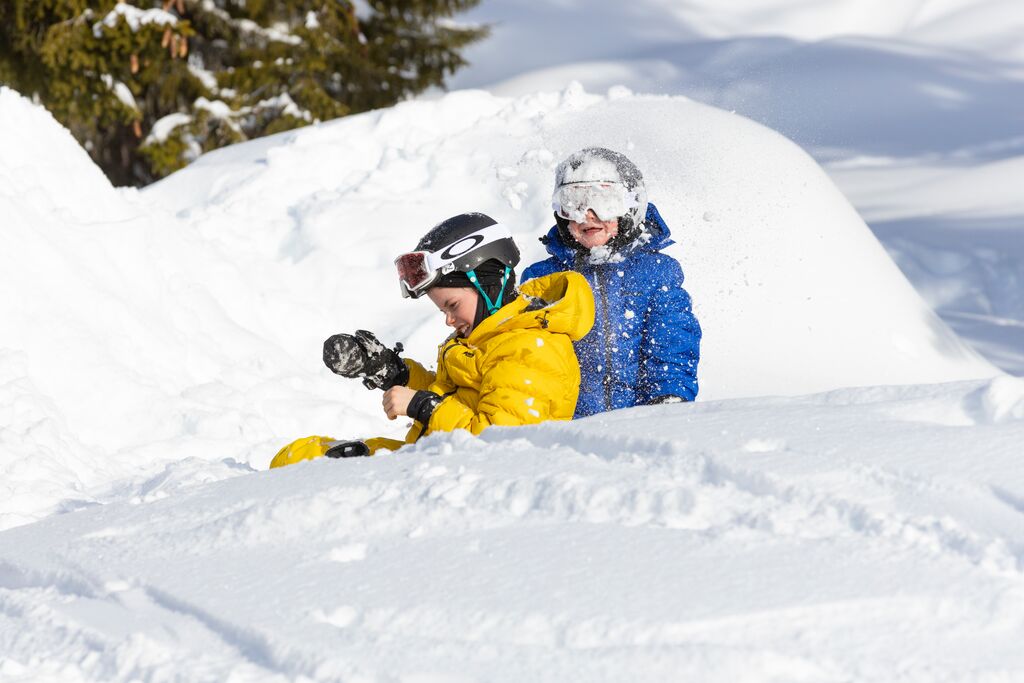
491, 307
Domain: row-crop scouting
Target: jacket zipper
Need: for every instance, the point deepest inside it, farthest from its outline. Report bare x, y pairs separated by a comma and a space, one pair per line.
599, 281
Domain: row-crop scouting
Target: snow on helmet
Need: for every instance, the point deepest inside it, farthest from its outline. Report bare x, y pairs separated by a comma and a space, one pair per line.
460, 244
606, 182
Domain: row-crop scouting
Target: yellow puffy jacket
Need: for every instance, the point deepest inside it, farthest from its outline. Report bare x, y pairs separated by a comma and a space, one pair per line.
516, 367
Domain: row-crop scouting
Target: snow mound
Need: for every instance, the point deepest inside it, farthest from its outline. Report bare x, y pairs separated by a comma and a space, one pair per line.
111, 333
161, 344
187, 320
794, 293
43, 168
935, 170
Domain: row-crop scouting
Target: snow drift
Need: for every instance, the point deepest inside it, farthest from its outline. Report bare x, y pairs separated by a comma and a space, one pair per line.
843, 537
186, 320
912, 109
786, 278
160, 344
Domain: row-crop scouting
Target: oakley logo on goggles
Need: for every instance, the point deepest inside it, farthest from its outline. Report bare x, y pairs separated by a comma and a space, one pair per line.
418, 270
606, 199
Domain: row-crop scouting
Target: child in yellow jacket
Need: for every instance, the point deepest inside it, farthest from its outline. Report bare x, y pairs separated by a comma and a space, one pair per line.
505, 364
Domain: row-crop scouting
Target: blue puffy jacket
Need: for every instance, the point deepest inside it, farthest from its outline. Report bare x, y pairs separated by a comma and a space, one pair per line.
645, 343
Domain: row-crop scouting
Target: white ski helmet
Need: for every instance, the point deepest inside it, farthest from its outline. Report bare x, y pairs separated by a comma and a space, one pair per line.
608, 183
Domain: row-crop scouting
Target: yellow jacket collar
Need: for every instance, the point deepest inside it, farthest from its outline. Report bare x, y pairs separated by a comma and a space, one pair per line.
560, 302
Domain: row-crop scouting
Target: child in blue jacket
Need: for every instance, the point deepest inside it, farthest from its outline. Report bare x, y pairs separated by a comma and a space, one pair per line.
645, 343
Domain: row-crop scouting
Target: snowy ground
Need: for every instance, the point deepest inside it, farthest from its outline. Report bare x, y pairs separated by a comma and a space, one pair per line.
864, 522
836, 537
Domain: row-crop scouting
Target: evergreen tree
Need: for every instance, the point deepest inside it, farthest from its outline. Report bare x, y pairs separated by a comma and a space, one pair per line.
148, 85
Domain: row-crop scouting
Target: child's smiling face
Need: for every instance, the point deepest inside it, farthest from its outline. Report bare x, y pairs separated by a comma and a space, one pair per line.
458, 305
594, 232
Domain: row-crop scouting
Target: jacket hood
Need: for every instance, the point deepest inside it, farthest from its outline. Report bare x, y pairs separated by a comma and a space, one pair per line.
654, 237
560, 302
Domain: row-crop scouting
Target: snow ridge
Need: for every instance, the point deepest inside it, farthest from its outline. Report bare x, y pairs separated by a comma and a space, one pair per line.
740, 537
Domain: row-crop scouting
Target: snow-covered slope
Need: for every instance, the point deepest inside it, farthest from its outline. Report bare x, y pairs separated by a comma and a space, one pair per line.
855, 536
157, 347
911, 107
765, 239
115, 344
189, 321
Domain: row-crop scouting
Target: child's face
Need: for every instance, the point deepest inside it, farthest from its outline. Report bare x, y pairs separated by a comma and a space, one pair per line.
458, 305
594, 232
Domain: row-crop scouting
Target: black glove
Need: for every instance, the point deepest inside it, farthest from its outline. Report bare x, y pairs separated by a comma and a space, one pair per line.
667, 398
348, 449
362, 355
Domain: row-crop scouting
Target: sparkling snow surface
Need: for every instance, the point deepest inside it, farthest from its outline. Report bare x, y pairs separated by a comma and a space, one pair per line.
859, 535
158, 347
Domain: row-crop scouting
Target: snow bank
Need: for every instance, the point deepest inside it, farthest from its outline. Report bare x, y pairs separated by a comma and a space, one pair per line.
120, 354
44, 170
786, 277
158, 345
837, 537
911, 108
956, 233
187, 320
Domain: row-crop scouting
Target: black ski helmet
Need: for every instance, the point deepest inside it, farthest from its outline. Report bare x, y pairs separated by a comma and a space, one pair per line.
469, 250
599, 164
463, 238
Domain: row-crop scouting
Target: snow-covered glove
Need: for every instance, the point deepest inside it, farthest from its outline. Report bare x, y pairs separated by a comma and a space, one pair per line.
363, 355
348, 449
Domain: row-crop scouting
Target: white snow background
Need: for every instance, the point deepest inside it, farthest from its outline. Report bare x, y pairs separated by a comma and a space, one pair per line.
845, 503
913, 107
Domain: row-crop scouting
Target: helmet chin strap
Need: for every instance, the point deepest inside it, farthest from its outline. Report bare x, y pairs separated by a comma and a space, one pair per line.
491, 306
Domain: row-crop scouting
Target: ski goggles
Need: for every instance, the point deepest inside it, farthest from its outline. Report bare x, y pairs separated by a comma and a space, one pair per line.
418, 270
606, 199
